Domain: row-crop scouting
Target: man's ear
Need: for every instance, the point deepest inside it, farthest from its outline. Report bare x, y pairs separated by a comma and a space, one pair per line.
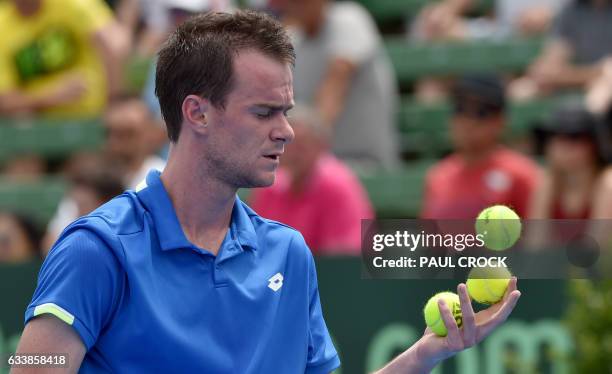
195, 113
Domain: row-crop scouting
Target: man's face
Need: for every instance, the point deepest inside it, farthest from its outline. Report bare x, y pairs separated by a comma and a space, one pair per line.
570, 152
474, 128
127, 126
247, 137
27, 7
308, 13
303, 153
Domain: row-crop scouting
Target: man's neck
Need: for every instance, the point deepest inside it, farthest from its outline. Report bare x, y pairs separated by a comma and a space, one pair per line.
203, 205
476, 157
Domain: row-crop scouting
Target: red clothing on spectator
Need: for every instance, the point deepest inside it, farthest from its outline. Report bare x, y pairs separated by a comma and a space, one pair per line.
328, 211
456, 190
559, 213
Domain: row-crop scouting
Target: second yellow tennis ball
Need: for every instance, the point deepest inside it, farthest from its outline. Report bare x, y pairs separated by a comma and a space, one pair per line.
488, 285
433, 318
499, 226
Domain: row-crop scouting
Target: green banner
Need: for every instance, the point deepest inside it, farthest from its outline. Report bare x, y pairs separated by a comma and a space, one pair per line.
371, 321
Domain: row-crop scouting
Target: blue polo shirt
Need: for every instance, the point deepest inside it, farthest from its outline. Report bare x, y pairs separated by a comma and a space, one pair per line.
145, 300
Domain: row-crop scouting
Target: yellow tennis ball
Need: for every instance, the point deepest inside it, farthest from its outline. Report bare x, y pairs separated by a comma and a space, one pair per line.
499, 226
488, 285
433, 318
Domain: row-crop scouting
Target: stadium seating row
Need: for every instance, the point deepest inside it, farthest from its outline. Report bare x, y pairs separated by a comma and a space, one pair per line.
423, 128
394, 194
389, 11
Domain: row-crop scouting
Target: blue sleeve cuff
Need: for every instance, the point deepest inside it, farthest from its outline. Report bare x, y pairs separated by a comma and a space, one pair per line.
86, 336
324, 368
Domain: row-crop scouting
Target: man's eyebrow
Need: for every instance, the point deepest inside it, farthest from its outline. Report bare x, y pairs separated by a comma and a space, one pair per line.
274, 107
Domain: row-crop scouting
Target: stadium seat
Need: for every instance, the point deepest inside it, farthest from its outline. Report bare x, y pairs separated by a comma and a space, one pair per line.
50, 138
38, 200
416, 60
389, 11
424, 127
398, 194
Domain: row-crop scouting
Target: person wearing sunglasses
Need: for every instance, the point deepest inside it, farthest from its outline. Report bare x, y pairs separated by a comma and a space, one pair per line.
481, 171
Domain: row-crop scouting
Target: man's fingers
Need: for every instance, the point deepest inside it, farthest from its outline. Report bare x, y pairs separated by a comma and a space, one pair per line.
500, 316
512, 286
469, 321
453, 336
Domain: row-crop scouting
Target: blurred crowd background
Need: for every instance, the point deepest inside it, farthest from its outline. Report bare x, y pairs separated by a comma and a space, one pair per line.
405, 109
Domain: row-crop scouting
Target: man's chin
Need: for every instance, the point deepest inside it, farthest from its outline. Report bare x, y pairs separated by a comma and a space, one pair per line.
260, 182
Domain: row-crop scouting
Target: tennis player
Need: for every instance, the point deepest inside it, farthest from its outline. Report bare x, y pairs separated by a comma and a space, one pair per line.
180, 276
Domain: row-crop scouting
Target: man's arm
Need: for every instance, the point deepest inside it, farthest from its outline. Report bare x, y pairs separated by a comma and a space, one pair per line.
555, 70
334, 87
47, 334
430, 350
16, 101
112, 43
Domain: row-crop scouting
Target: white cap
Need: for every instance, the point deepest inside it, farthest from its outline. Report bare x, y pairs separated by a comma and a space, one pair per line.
193, 6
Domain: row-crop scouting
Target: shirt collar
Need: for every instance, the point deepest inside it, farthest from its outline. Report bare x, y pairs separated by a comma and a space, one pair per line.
155, 198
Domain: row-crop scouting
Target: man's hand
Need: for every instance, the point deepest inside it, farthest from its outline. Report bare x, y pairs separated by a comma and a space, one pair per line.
425, 354
476, 326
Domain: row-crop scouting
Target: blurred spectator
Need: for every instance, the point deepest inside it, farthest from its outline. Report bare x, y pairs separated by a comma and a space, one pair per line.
574, 158
581, 40
24, 167
315, 192
133, 137
176, 11
93, 181
19, 238
58, 57
481, 172
159, 17
447, 19
599, 96
343, 70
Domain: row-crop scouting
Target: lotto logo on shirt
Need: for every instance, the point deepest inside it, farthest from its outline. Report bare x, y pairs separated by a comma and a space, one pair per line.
276, 282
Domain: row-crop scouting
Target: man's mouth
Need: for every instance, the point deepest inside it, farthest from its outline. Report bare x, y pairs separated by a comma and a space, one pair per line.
273, 156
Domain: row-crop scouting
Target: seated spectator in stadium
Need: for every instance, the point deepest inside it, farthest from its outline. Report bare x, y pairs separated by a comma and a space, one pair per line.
599, 102
93, 181
24, 167
598, 98
150, 21
574, 57
60, 57
343, 71
448, 20
133, 137
574, 157
315, 192
482, 171
19, 238
168, 14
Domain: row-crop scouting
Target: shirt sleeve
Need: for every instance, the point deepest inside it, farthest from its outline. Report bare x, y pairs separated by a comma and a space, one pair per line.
322, 355
79, 283
353, 34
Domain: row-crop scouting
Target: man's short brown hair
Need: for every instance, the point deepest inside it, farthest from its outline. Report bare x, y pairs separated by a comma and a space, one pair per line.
198, 58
